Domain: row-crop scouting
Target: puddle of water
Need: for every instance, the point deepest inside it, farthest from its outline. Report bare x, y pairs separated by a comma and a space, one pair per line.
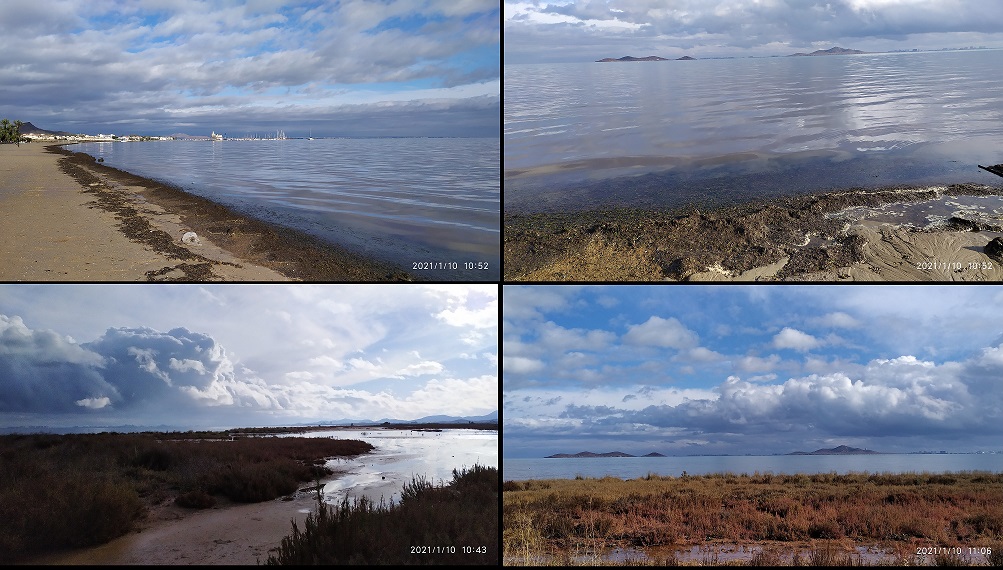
931, 214
724, 554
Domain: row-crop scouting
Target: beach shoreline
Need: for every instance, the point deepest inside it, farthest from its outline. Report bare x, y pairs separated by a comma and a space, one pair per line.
69, 218
802, 238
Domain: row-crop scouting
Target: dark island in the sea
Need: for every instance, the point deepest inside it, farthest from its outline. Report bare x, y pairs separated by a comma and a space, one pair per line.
590, 454
631, 58
649, 58
835, 50
841, 450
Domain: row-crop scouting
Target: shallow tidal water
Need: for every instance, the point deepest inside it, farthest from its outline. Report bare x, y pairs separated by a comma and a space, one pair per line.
635, 467
722, 131
403, 454
403, 200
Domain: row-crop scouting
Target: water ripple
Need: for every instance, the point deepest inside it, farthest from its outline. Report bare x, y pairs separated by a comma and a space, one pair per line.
400, 199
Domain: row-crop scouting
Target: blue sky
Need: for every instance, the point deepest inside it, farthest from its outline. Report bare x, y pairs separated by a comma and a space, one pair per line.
195, 356
347, 68
750, 369
586, 30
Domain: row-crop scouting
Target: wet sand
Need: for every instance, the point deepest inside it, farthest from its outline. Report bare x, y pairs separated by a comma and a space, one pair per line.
809, 238
66, 217
226, 534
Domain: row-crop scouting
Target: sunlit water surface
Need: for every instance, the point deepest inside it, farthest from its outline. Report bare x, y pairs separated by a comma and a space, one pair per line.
670, 133
401, 455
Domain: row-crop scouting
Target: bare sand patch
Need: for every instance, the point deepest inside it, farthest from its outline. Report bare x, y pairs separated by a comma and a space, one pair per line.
66, 217
227, 534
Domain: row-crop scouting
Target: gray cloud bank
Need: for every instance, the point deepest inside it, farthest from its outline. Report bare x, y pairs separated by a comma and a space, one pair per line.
556, 32
896, 404
142, 376
137, 370
157, 66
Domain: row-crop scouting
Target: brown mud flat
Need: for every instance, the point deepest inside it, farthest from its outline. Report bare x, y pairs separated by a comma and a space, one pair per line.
155, 215
230, 533
819, 519
794, 239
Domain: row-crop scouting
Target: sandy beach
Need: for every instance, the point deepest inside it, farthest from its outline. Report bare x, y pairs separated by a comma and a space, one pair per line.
889, 234
68, 218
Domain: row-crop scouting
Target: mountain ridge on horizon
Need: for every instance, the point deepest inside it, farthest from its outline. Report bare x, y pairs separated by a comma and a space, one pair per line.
486, 418
581, 454
838, 450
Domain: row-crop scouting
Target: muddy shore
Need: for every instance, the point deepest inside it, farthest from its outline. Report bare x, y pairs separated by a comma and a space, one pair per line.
230, 533
805, 238
67, 217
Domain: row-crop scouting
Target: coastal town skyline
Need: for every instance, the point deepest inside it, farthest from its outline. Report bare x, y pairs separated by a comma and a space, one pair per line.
750, 369
207, 356
586, 30
357, 68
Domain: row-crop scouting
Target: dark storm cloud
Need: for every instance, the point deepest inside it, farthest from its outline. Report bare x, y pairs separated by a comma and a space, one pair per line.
42, 371
125, 369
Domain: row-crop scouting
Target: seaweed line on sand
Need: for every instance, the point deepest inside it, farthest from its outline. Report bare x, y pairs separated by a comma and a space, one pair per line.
292, 253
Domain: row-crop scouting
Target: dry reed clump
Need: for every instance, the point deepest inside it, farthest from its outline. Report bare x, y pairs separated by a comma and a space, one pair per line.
913, 508
448, 524
79, 490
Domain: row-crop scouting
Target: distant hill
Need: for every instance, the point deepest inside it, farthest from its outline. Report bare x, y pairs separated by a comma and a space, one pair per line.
685, 58
30, 129
841, 450
631, 58
486, 418
835, 50
183, 136
590, 454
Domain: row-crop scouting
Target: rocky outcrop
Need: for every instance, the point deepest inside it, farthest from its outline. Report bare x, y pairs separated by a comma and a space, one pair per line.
994, 249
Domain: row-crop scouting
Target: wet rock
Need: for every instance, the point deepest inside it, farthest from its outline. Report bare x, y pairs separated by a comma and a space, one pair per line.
678, 268
956, 224
994, 249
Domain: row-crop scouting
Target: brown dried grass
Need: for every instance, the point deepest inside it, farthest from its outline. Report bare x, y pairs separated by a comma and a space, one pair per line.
959, 509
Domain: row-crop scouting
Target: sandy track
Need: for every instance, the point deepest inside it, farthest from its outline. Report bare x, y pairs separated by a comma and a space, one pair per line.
228, 534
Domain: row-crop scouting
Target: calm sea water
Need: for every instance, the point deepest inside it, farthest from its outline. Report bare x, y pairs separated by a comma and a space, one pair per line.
403, 454
404, 200
634, 467
719, 131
